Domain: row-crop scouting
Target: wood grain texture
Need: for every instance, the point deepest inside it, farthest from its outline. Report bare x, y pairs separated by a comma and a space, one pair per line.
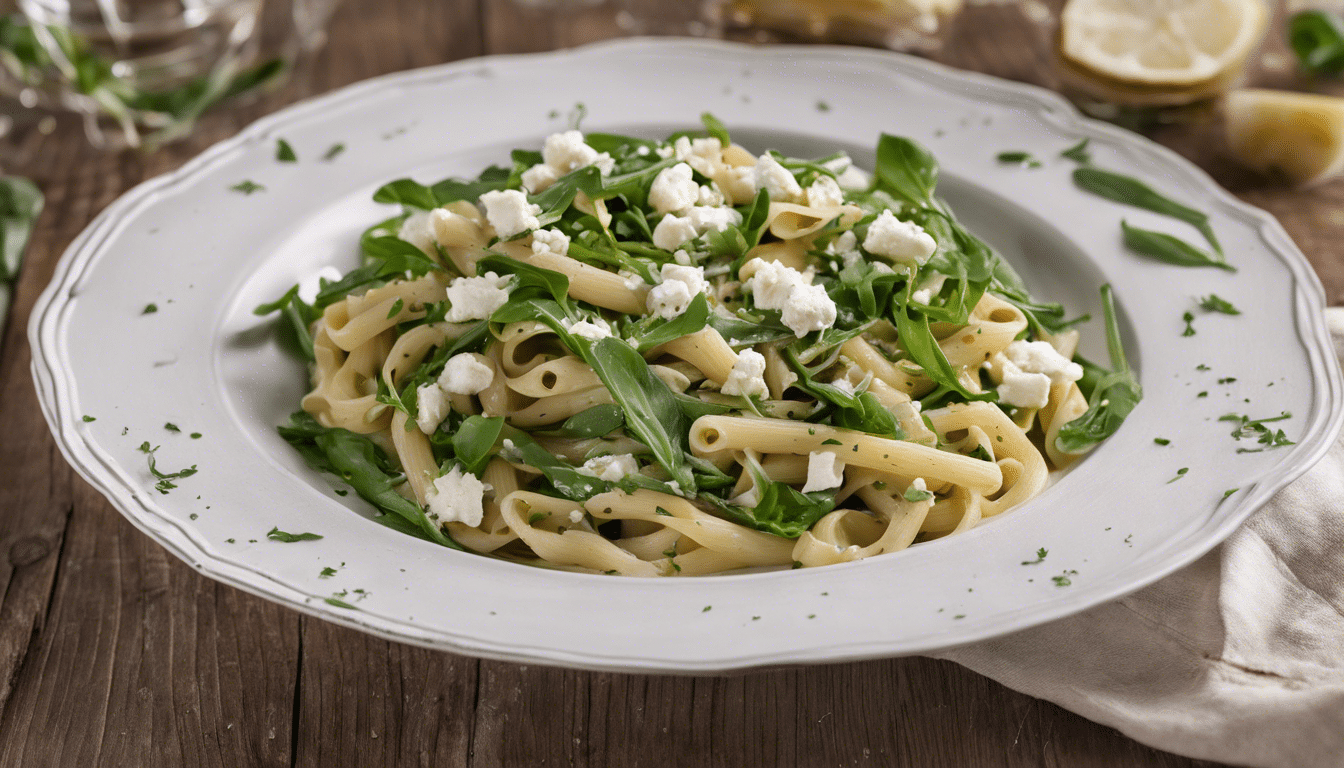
114, 653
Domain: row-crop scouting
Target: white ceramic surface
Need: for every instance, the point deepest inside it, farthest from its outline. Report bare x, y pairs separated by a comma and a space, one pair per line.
207, 255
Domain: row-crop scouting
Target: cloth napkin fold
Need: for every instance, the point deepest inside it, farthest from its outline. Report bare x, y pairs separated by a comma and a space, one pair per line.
1238, 658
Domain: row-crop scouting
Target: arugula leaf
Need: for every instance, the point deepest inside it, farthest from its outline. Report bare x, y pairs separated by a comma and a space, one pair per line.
361, 463
407, 192
905, 170
474, 441
284, 153
564, 477
20, 204
532, 281
275, 534
1170, 248
491, 179
1317, 37
598, 421
1113, 396
912, 327
653, 330
1130, 191
715, 128
781, 510
332, 152
1266, 436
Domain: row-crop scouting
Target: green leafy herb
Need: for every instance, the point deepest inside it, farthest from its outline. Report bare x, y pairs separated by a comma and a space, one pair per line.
905, 170
275, 534
165, 479
195, 435
150, 309
780, 510
1130, 191
598, 421
1161, 441
333, 152
247, 187
396, 308
1040, 556
284, 152
1246, 427
474, 441
20, 205
1229, 492
1169, 248
1317, 37
339, 603
915, 494
1078, 153
1179, 474
1212, 303
564, 477
715, 128
327, 573
89, 418
1113, 396
1063, 580
822, 106
1189, 319
171, 427
408, 193
1018, 157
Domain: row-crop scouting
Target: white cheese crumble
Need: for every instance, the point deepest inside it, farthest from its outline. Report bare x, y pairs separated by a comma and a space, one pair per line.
673, 189
928, 288
457, 497
509, 213
844, 243
594, 329
701, 154
824, 471
776, 180
748, 375
418, 230
550, 241
705, 218
539, 178
476, 298
903, 241
610, 468
1042, 357
825, 193
679, 286
567, 152
847, 175
672, 231
804, 307
431, 406
1024, 390
709, 195
465, 375
739, 182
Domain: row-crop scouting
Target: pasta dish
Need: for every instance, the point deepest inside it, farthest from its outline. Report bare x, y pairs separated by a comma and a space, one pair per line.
672, 358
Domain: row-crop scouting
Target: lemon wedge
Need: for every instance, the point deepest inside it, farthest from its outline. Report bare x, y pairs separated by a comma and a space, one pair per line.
1156, 46
1298, 134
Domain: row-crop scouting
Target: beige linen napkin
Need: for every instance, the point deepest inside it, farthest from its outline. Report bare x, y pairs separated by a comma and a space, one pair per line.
1237, 658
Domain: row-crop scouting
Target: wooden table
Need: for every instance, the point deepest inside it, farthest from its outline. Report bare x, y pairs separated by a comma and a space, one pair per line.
114, 653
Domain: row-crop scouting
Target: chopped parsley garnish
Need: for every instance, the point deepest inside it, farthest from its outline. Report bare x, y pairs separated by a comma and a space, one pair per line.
914, 494
150, 309
275, 534
1202, 394
327, 573
165, 483
89, 418
340, 603
195, 435
706, 609
1229, 492
1161, 441
333, 152
1019, 158
171, 427
1179, 474
285, 153
1212, 303
397, 306
1268, 437
1040, 556
1078, 153
1227, 380
831, 441
823, 106
247, 187
1189, 319
1062, 580
537, 517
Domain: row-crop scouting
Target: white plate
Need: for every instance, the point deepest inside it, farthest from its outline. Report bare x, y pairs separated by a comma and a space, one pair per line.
207, 255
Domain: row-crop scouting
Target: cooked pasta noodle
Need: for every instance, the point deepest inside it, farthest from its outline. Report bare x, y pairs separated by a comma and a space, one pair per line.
703, 360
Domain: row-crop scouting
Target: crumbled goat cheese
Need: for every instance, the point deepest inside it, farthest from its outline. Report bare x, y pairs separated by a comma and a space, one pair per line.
431, 406
457, 497
679, 286
701, 154
1022, 389
539, 178
682, 257
673, 189
550, 240
1042, 357
594, 329
642, 150
509, 213
748, 498
672, 231
463, 374
476, 298
567, 152
804, 307
844, 243
748, 375
825, 193
418, 231
610, 468
576, 516
709, 195
903, 241
824, 471
739, 182
844, 386
777, 180
665, 151
847, 175
707, 218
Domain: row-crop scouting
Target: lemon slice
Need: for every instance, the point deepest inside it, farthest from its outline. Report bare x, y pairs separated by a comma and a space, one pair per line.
1176, 44
1298, 134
